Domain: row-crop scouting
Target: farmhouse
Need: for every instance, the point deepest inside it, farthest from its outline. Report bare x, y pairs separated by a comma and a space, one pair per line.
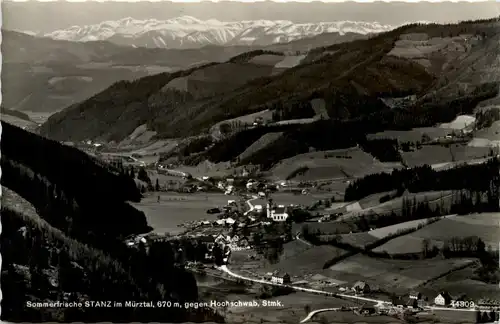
442, 299
361, 287
415, 295
279, 278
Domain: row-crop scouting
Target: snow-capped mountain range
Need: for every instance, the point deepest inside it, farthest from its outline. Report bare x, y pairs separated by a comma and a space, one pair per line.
190, 32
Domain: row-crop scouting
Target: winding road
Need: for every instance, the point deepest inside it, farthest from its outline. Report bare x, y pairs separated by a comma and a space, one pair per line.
314, 312
225, 269
249, 203
297, 237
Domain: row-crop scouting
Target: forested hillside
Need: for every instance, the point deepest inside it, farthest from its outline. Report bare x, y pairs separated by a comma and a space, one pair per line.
72, 237
351, 77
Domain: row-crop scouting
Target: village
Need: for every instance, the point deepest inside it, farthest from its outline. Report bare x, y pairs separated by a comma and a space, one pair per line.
252, 227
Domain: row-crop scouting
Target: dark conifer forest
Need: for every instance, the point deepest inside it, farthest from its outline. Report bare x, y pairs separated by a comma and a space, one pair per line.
72, 250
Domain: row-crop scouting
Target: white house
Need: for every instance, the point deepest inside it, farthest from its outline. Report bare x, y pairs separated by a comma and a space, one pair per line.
230, 221
442, 299
280, 278
220, 239
220, 222
277, 214
229, 190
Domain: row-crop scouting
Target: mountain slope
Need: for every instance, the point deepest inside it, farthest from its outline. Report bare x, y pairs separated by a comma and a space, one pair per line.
68, 213
350, 77
46, 75
189, 32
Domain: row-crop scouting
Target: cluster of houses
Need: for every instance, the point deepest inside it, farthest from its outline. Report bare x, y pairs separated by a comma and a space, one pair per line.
226, 243
415, 299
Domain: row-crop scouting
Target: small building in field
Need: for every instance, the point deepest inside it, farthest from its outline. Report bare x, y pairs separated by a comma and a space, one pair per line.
280, 278
443, 299
361, 287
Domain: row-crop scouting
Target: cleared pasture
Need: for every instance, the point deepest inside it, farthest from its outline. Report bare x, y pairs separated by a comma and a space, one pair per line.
294, 248
358, 239
334, 164
464, 152
260, 144
388, 230
491, 133
429, 154
373, 200
174, 209
290, 61
397, 275
267, 59
462, 282
365, 238
395, 205
486, 219
445, 229
414, 135
309, 261
460, 122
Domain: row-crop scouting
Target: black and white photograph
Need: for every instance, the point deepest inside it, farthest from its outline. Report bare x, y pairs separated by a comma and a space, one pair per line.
250, 162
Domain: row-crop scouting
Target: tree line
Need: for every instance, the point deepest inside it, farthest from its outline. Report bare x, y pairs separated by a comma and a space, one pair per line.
350, 128
479, 177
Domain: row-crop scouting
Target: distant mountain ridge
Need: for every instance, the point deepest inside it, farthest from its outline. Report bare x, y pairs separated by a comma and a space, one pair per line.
190, 32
